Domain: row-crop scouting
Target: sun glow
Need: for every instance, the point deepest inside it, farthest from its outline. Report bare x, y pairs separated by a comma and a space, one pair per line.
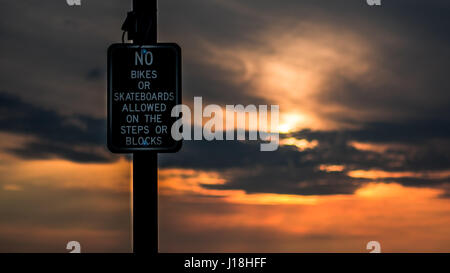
295, 75
301, 144
290, 123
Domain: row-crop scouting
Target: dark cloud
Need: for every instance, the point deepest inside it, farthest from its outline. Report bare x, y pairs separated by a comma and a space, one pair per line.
77, 138
406, 95
408, 44
427, 141
65, 48
408, 131
291, 180
287, 171
54, 57
425, 148
47, 150
51, 52
215, 87
408, 81
95, 73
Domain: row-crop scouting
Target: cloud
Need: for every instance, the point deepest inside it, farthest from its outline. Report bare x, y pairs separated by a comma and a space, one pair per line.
412, 146
64, 72
47, 203
314, 60
347, 73
50, 49
332, 224
78, 138
286, 171
46, 218
95, 73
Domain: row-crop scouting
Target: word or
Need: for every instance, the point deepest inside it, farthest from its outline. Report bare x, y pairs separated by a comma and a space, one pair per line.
213, 129
74, 246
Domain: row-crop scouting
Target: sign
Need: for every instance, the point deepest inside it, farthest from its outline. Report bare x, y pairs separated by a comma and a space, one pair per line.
144, 84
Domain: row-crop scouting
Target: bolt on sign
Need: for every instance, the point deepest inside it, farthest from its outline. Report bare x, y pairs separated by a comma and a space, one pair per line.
144, 84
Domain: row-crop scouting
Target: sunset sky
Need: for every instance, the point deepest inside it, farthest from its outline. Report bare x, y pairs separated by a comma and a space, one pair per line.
364, 97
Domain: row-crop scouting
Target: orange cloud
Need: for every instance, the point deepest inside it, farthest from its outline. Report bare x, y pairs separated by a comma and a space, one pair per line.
186, 183
301, 144
378, 174
46, 203
332, 168
402, 219
60, 173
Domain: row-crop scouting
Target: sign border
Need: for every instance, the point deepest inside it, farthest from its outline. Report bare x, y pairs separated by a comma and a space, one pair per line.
178, 94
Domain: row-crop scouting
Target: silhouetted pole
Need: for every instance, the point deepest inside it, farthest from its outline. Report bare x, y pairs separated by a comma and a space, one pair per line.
145, 164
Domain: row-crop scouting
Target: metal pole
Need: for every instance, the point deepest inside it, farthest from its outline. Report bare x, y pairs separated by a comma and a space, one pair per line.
145, 164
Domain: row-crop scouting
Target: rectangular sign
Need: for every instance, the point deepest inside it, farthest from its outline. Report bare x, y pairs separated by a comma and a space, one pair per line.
144, 84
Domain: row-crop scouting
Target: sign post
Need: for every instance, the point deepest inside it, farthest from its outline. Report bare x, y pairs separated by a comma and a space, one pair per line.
144, 84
